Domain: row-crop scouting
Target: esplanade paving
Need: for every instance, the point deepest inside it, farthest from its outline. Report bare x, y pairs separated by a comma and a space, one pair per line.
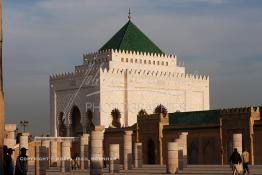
159, 170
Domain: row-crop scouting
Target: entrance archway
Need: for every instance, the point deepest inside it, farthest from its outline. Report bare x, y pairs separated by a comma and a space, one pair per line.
76, 124
151, 158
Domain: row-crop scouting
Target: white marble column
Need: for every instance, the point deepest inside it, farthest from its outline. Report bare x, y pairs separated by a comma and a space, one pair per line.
97, 136
84, 151
237, 142
172, 158
114, 163
138, 155
40, 162
66, 156
24, 140
53, 153
128, 150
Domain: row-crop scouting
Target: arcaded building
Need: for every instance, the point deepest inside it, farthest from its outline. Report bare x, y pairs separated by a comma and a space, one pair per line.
128, 73
210, 134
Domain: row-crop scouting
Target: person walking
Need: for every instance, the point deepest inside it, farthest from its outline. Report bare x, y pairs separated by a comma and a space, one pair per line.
235, 160
245, 158
21, 163
5, 151
9, 162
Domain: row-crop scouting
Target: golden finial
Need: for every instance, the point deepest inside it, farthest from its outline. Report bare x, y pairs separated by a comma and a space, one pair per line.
129, 14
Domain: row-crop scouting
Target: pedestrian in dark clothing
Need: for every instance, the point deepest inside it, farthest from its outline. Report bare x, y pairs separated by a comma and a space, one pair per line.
5, 149
21, 163
235, 160
9, 162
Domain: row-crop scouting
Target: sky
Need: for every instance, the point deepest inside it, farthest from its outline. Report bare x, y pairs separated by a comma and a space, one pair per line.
219, 38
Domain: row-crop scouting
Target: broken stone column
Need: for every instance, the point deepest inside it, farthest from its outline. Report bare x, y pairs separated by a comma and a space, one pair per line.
180, 153
66, 156
183, 144
46, 144
10, 139
172, 158
84, 151
97, 136
138, 155
114, 162
24, 140
237, 142
53, 153
40, 160
128, 150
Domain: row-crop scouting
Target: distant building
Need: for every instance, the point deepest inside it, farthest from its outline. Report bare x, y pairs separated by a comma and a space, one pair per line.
128, 73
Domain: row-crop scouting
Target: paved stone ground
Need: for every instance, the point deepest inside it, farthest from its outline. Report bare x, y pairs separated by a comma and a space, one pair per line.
160, 170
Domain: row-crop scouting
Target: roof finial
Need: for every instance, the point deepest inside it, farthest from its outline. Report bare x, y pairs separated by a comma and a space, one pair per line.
129, 14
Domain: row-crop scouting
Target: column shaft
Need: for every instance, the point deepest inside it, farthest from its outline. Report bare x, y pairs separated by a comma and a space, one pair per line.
84, 151
172, 158
24, 140
97, 136
114, 166
237, 142
66, 156
40, 161
53, 150
128, 150
138, 155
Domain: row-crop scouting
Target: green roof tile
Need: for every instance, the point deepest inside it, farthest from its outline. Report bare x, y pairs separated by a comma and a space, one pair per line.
194, 118
130, 38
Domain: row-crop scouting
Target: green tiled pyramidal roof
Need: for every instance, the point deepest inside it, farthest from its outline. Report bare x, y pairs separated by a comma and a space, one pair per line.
130, 38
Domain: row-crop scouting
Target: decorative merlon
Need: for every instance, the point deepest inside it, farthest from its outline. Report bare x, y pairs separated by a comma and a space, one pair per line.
239, 110
133, 53
151, 73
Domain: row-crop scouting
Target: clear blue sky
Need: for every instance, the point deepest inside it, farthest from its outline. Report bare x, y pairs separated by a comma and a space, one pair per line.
220, 38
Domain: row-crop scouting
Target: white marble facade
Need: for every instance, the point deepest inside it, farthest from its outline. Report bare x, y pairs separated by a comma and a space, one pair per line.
129, 81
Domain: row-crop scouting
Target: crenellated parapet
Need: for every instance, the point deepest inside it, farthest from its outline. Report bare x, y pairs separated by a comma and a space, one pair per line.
153, 74
66, 75
242, 110
129, 57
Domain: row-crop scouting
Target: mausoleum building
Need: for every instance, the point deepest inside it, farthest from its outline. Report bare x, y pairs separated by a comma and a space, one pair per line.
128, 73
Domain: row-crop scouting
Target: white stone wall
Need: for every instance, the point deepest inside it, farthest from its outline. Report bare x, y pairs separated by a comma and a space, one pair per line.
128, 81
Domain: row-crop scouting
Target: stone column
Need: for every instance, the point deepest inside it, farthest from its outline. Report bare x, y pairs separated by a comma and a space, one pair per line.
10, 139
180, 153
237, 142
138, 155
97, 136
46, 144
66, 156
114, 166
53, 153
40, 162
84, 151
183, 137
24, 140
128, 150
172, 158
